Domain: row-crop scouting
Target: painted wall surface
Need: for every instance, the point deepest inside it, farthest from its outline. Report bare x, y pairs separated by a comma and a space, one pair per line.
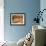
29, 7
43, 6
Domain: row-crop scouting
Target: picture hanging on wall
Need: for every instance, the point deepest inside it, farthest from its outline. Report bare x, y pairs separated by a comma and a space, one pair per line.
17, 18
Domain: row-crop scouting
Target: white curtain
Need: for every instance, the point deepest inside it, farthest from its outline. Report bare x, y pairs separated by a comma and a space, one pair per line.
1, 20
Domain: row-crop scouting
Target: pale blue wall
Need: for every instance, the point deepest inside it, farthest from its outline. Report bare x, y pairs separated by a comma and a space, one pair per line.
29, 7
43, 6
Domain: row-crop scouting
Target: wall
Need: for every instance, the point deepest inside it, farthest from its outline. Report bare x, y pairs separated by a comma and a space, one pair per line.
29, 7
42, 6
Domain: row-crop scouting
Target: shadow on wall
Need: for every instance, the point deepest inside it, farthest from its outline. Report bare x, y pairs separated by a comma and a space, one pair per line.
39, 16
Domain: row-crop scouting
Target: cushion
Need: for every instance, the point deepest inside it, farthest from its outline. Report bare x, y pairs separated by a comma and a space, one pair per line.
20, 42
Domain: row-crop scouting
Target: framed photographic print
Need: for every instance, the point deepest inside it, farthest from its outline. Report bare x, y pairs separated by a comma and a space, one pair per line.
17, 18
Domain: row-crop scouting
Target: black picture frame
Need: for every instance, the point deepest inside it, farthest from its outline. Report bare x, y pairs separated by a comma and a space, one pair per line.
17, 19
